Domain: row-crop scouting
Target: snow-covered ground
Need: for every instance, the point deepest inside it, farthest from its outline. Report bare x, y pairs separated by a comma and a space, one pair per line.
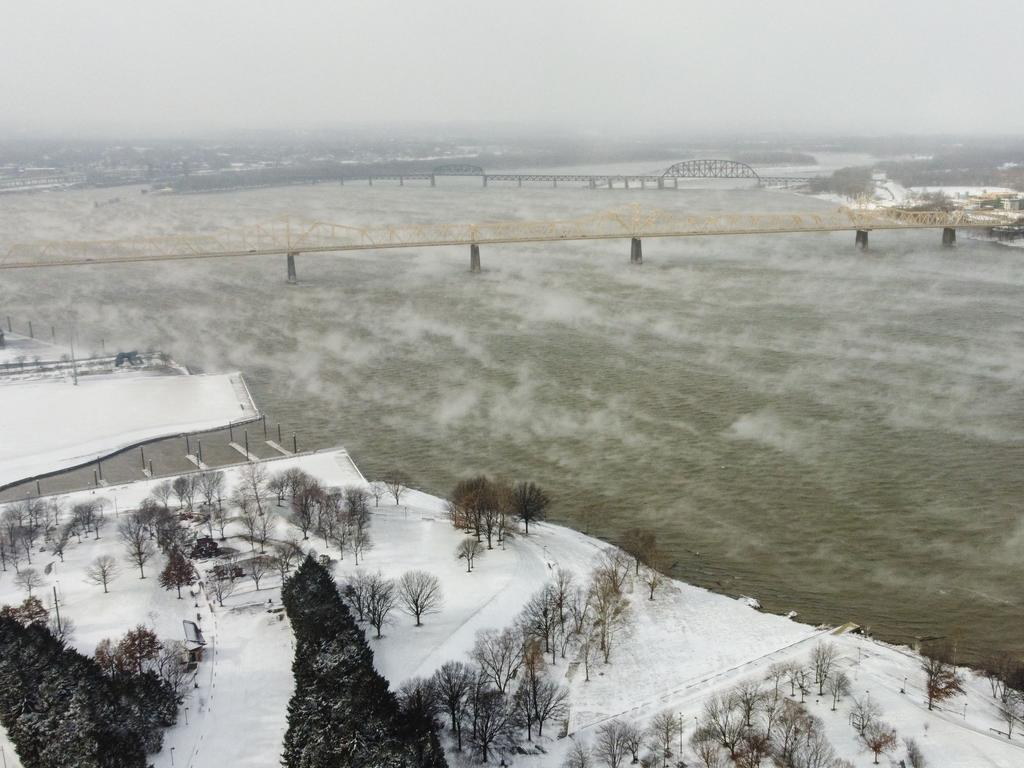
53, 424
18, 348
678, 649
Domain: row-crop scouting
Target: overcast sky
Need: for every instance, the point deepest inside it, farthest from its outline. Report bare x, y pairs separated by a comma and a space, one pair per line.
860, 66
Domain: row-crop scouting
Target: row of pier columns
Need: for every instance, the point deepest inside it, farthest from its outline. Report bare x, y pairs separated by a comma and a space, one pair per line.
948, 237
636, 254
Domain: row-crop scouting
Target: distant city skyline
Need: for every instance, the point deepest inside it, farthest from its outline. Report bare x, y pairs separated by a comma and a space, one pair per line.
131, 68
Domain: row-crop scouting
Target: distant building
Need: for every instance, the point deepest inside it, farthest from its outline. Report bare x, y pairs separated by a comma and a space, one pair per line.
1009, 204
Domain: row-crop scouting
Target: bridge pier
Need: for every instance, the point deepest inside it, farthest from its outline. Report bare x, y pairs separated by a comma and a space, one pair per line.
593, 184
643, 183
661, 183
485, 179
474, 258
520, 180
401, 181
627, 182
554, 183
862, 239
676, 182
948, 236
636, 254
433, 180
370, 179
292, 274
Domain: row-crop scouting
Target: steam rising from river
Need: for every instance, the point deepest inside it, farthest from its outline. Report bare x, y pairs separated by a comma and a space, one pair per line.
836, 432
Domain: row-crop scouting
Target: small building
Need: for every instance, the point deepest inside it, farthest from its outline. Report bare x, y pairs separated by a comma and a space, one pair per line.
195, 643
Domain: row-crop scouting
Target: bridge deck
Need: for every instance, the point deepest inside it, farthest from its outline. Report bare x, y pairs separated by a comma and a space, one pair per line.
289, 236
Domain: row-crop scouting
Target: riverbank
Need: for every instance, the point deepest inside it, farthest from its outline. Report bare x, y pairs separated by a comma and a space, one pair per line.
672, 653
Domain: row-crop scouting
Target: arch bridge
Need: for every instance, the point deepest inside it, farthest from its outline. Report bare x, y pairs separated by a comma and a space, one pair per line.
459, 169
710, 169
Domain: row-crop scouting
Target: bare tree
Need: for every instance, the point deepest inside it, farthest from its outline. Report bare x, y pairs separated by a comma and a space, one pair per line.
837, 685
29, 579
652, 579
380, 600
590, 654
377, 490
60, 541
705, 744
453, 683
163, 491
579, 756
634, 739
610, 611
915, 757
864, 712
499, 656
493, 717
640, 544
286, 555
468, 550
529, 503
396, 483
248, 515
823, 657
264, 527
171, 666
611, 746
305, 506
662, 731
880, 738
1011, 711
777, 672
137, 543
612, 566
419, 593
253, 483
747, 697
725, 720
221, 586
211, 486
942, 681
220, 518
102, 571
258, 567
359, 538
184, 487
357, 591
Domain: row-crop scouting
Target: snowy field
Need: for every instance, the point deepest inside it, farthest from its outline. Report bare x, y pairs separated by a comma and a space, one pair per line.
52, 424
677, 650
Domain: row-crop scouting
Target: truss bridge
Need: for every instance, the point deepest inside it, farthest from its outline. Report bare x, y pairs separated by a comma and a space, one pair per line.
667, 179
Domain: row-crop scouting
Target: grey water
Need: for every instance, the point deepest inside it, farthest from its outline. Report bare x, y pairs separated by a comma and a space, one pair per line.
832, 432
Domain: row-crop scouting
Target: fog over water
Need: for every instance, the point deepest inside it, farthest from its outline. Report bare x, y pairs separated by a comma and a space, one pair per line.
834, 432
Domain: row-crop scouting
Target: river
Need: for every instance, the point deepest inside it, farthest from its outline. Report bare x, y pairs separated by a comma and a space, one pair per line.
833, 432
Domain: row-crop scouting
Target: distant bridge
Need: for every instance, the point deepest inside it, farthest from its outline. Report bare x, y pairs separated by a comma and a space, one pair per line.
668, 179
290, 237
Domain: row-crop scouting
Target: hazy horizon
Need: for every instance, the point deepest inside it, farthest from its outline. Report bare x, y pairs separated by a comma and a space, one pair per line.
138, 69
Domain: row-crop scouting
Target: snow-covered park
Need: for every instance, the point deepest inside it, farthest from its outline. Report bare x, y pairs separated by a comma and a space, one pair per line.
675, 651
54, 423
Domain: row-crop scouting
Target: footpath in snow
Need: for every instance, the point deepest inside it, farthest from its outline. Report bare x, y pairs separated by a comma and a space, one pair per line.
53, 424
